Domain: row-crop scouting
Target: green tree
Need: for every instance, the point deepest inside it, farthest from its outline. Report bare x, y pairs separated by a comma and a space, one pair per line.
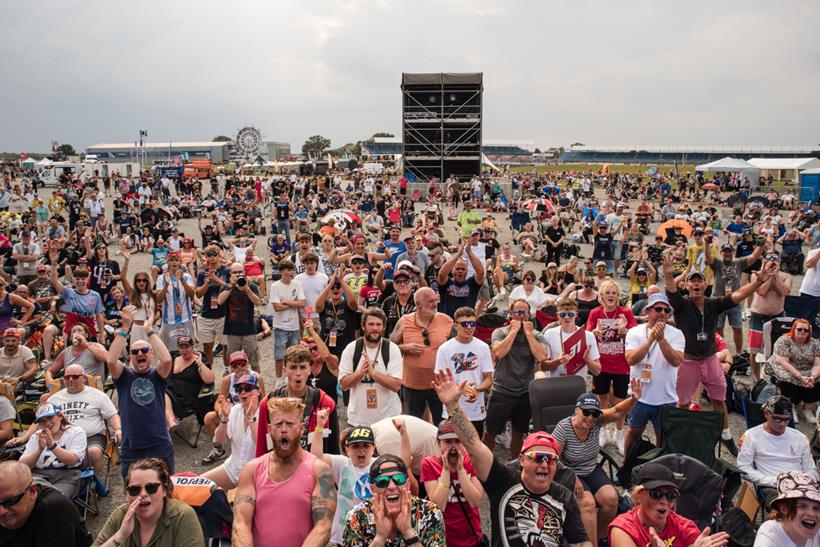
383, 134
66, 150
222, 138
315, 146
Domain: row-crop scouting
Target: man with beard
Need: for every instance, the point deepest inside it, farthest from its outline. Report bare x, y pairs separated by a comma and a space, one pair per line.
529, 504
285, 497
297, 370
401, 302
696, 316
371, 368
141, 395
394, 516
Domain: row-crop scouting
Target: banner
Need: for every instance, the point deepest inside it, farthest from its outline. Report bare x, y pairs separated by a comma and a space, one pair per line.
575, 346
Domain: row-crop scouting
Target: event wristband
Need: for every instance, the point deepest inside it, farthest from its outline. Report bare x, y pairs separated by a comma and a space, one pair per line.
123, 334
444, 485
320, 430
53, 446
150, 333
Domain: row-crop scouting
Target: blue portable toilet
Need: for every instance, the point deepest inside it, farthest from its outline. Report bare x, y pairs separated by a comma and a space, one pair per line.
810, 186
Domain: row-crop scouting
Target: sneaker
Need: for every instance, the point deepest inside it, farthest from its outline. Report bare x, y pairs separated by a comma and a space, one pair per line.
218, 350
810, 416
216, 454
730, 446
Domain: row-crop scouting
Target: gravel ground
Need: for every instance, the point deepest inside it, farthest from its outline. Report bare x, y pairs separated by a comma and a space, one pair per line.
187, 458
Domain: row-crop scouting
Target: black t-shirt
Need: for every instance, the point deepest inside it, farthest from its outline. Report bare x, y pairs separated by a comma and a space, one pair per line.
210, 309
54, 520
551, 518
603, 247
455, 295
340, 318
555, 233
239, 311
491, 247
394, 310
282, 210
692, 322
98, 270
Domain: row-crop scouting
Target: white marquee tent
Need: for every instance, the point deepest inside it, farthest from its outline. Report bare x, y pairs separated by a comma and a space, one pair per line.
779, 166
733, 165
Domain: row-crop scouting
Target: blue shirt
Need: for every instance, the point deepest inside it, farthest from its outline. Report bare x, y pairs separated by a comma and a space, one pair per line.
736, 227
397, 249
142, 409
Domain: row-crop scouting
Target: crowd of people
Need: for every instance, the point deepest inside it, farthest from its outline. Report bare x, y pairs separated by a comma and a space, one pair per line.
405, 327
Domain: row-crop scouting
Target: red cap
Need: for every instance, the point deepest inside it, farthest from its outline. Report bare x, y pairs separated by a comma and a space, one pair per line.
539, 438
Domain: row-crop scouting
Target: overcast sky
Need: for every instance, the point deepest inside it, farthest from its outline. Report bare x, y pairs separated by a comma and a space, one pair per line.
642, 72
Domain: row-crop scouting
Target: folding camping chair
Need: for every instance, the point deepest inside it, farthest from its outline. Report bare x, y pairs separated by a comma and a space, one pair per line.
199, 408
553, 399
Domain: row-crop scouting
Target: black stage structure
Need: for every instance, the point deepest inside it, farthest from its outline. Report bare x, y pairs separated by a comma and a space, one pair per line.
441, 125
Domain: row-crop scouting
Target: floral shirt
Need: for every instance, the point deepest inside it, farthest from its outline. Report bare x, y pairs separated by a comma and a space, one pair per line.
801, 357
425, 517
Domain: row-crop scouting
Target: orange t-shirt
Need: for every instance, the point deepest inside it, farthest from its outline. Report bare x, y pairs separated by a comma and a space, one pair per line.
419, 369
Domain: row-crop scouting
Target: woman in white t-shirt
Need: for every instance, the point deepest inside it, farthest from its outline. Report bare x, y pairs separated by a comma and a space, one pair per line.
532, 293
470, 360
237, 424
797, 517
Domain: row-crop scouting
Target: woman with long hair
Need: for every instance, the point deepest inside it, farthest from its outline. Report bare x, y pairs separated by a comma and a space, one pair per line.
141, 295
189, 255
586, 295
150, 514
795, 367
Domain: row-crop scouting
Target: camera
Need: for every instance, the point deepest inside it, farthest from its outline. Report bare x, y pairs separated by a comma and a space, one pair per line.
761, 240
241, 281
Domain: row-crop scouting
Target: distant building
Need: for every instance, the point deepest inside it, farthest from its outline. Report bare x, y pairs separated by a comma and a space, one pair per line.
504, 152
153, 152
680, 154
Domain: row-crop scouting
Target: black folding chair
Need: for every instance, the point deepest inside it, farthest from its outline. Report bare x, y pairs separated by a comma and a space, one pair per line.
553, 399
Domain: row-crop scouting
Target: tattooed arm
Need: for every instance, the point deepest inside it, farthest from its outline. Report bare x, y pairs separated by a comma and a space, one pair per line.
323, 505
243, 507
449, 392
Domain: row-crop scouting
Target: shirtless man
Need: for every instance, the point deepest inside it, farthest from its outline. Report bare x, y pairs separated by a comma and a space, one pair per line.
767, 304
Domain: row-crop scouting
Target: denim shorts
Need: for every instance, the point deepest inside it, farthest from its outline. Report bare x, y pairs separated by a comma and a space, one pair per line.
642, 413
283, 339
734, 315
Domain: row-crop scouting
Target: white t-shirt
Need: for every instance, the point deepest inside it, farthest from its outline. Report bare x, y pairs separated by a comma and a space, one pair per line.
353, 488
286, 319
660, 389
555, 344
469, 362
73, 440
87, 409
762, 456
811, 282
369, 400
423, 441
771, 534
312, 285
243, 442
480, 251
536, 299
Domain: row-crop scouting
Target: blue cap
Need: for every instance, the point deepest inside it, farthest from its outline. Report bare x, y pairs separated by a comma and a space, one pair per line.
247, 379
588, 401
46, 411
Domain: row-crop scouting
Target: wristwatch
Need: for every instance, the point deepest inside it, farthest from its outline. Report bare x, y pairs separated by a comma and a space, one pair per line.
412, 541
53, 446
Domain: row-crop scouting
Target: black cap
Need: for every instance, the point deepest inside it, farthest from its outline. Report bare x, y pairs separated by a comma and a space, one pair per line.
694, 274
777, 404
389, 462
361, 434
653, 475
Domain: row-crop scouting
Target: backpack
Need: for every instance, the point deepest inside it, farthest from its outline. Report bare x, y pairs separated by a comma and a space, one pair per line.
357, 356
636, 449
762, 390
737, 524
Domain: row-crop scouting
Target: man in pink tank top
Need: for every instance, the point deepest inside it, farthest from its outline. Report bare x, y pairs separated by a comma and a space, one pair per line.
287, 496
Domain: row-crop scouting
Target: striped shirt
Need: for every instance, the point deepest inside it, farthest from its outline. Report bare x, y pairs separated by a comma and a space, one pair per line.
580, 456
176, 308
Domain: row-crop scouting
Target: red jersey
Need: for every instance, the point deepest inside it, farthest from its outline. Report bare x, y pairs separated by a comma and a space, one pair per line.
679, 531
457, 529
611, 342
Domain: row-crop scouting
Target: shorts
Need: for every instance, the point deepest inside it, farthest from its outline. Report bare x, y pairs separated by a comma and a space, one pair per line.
99, 440
642, 413
756, 322
734, 315
708, 371
248, 344
163, 451
605, 380
283, 339
484, 291
501, 408
617, 247
596, 480
210, 330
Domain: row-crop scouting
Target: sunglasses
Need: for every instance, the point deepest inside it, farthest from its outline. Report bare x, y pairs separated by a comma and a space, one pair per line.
142, 281
661, 309
211, 254
238, 364
426, 335
563, 314
73, 376
14, 500
137, 351
468, 324
657, 495
520, 313
541, 457
782, 419
150, 488
383, 481
801, 329
402, 282
357, 262
528, 279
772, 257
245, 388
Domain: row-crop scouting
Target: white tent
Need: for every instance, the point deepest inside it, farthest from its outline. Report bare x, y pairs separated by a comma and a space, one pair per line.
780, 165
45, 161
28, 163
733, 165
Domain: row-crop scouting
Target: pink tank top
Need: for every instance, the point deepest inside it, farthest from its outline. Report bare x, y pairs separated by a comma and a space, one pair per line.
283, 514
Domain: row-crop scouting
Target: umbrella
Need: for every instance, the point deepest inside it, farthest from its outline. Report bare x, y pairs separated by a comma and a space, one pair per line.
342, 218
539, 204
762, 199
671, 224
709, 186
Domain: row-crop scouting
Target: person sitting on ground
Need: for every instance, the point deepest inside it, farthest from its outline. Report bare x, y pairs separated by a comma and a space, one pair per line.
56, 451
149, 515
36, 515
653, 520
773, 447
796, 513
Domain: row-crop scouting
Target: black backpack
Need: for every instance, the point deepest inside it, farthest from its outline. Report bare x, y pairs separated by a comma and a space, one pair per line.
737, 524
357, 356
636, 449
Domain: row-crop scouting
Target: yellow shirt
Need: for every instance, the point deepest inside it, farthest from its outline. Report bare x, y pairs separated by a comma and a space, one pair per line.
696, 255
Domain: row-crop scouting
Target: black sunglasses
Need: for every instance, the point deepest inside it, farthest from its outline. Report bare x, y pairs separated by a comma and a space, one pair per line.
657, 495
212, 254
143, 350
468, 324
563, 314
14, 500
802, 329
590, 412
245, 388
383, 481
661, 309
150, 488
781, 419
426, 334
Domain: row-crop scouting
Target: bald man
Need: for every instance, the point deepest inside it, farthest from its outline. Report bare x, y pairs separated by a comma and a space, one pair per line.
419, 335
34, 515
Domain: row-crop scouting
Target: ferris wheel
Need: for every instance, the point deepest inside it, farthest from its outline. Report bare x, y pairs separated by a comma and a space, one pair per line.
248, 141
